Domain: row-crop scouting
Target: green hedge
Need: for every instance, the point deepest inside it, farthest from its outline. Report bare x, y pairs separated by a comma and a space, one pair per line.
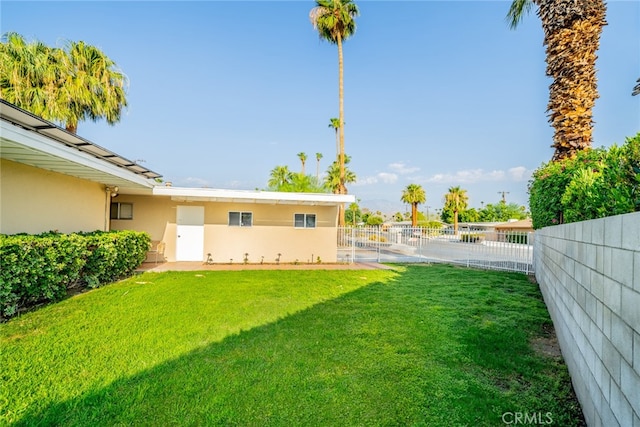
594, 184
41, 268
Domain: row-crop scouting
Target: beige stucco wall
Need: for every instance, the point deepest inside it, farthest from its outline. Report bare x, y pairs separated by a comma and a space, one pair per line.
34, 200
272, 232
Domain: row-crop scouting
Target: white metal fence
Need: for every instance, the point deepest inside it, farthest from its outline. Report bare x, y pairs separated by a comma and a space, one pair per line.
494, 250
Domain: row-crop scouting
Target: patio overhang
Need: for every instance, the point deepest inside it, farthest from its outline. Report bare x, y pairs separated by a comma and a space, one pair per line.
182, 194
28, 139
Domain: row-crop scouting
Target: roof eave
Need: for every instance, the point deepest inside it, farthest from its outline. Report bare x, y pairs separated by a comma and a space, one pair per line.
249, 196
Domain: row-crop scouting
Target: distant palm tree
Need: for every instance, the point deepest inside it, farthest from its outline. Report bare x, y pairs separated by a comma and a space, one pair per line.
332, 179
636, 89
335, 22
572, 36
301, 183
303, 159
318, 157
280, 177
456, 200
414, 195
354, 208
335, 124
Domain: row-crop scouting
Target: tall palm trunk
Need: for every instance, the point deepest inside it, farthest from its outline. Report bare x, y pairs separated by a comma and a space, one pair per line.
455, 222
572, 31
337, 145
343, 189
414, 214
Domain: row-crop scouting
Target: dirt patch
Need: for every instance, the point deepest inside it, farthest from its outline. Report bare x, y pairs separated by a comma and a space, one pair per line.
547, 344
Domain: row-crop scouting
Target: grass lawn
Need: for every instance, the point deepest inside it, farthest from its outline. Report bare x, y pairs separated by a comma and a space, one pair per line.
423, 345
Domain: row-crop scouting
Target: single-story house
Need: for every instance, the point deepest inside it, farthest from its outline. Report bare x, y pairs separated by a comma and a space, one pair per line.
522, 226
51, 179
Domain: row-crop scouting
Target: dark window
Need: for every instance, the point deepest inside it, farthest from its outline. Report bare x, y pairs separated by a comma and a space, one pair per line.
240, 219
304, 220
121, 211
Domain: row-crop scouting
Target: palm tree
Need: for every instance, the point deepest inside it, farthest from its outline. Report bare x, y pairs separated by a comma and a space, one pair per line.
318, 157
414, 195
301, 183
572, 36
303, 158
456, 200
335, 124
354, 209
332, 180
29, 75
96, 88
279, 178
335, 22
61, 85
636, 89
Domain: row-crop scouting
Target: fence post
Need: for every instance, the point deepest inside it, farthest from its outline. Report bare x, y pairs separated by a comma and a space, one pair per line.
379, 236
353, 245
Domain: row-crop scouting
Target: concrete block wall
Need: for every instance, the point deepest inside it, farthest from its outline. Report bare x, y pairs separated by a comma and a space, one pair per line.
589, 275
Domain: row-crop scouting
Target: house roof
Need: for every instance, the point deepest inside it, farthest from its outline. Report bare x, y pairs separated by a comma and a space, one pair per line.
249, 196
29, 139
524, 224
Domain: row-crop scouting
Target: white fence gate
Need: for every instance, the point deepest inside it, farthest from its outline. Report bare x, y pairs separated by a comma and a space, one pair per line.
508, 251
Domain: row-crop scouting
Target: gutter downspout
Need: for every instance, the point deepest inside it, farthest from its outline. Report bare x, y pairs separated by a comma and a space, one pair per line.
107, 209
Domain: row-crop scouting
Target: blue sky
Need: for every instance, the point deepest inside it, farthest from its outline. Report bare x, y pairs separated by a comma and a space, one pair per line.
438, 93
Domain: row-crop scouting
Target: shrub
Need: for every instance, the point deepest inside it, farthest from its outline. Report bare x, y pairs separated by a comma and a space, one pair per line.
113, 255
594, 184
36, 269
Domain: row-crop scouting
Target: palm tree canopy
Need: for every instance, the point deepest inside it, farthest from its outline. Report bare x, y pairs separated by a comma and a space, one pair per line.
334, 19
67, 85
280, 176
636, 89
301, 183
413, 194
29, 75
518, 9
332, 179
456, 199
334, 123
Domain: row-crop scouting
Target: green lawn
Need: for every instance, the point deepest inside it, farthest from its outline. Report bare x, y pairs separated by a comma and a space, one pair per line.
423, 345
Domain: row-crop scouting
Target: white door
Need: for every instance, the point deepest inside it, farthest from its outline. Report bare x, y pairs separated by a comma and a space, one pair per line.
190, 227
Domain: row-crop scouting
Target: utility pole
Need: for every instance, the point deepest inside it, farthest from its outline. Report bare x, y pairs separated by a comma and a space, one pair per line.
504, 199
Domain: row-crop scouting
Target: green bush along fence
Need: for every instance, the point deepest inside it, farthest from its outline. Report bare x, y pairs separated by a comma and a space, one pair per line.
594, 184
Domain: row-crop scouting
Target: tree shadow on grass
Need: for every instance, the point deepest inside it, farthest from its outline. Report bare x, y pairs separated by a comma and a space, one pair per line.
387, 353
